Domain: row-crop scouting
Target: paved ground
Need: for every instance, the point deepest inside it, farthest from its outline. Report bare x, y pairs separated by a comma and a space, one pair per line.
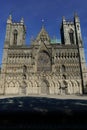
48, 112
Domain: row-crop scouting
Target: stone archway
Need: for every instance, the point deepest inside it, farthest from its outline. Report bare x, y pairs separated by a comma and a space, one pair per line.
44, 87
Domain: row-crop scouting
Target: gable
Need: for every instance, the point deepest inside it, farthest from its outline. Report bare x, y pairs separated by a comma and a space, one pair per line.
42, 37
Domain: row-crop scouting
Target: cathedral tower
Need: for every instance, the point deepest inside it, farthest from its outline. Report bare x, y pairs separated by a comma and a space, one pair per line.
15, 36
15, 33
68, 35
81, 52
71, 35
44, 67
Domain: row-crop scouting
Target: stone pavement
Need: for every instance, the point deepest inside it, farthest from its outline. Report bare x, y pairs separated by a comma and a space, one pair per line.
52, 112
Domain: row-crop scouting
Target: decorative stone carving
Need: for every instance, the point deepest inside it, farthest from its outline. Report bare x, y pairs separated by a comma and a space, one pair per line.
43, 67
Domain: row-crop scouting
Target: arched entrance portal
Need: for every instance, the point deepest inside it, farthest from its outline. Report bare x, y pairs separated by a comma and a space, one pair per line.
44, 87
23, 88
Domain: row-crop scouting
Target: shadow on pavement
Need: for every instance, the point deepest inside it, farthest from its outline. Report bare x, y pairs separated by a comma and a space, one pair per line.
40, 112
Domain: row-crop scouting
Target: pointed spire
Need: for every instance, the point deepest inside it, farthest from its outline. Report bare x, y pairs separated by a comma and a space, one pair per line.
22, 21
76, 18
75, 14
63, 18
9, 20
10, 17
43, 34
43, 28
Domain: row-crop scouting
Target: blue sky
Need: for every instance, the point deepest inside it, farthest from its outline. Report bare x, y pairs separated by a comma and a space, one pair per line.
33, 11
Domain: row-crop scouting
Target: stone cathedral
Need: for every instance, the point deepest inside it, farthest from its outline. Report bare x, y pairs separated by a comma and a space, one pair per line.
45, 66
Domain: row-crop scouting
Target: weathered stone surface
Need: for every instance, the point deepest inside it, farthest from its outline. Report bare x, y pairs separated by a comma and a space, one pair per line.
43, 67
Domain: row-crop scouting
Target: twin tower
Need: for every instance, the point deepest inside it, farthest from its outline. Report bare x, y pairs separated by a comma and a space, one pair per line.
43, 67
70, 32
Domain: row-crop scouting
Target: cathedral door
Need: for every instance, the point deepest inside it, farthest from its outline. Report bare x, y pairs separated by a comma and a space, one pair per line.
44, 88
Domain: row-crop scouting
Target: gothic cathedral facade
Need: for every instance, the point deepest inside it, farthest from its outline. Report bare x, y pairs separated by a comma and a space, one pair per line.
45, 66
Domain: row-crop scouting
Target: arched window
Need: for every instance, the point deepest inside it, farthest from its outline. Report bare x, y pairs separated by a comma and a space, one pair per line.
63, 68
24, 69
24, 76
24, 72
78, 27
71, 35
15, 34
